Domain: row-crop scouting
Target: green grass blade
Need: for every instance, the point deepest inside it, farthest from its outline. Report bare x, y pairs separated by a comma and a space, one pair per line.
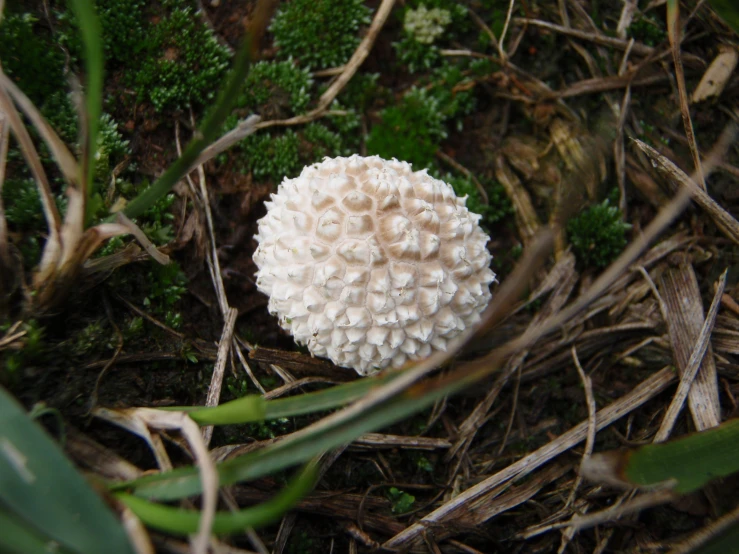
692, 461
91, 32
176, 520
18, 536
205, 135
289, 451
254, 408
40, 486
729, 12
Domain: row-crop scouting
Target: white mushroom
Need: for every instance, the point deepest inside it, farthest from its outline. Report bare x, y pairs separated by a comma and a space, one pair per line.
371, 264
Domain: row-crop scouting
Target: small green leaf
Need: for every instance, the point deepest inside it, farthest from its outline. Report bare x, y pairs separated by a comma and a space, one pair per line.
402, 501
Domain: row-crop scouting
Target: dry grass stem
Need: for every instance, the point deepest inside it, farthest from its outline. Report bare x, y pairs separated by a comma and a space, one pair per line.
59, 151
466, 172
685, 318
100, 459
479, 495
626, 17
641, 502
674, 33
590, 438
597, 38
135, 530
713, 529
53, 248
723, 219
709, 402
526, 219
504, 32
128, 226
216, 382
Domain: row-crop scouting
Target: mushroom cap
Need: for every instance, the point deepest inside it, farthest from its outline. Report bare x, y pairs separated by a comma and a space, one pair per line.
370, 263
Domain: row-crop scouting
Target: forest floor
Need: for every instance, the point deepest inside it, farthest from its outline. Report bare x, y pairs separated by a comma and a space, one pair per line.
545, 125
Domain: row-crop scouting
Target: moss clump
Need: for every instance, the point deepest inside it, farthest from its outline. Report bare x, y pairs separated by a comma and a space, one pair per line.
183, 64
319, 33
410, 131
498, 207
425, 25
29, 57
320, 142
453, 92
648, 31
271, 156
276, 89
167, 284
22, 204
123, 29
597, 235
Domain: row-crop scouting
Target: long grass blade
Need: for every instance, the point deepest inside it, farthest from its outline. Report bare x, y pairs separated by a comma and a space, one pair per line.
254, 408
176, 520
19, 536
40, 486
91, 32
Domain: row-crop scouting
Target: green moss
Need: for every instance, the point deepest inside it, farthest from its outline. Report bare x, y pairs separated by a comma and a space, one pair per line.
597, 235
276, 90
646, 30
167, 284
416, 56
33, 351
410, 131
111, 149
29, 57
449, 88
123, 28
22, 204
319, 33
156, 222
498, 207
271, 156
319, 143
183, 64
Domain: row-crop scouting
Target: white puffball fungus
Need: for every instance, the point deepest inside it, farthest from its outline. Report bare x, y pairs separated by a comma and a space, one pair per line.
371, 264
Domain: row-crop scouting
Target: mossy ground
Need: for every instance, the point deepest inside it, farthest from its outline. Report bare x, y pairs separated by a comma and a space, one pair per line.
410, 100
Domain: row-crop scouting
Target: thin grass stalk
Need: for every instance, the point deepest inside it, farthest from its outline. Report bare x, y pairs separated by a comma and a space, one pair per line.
52, 249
